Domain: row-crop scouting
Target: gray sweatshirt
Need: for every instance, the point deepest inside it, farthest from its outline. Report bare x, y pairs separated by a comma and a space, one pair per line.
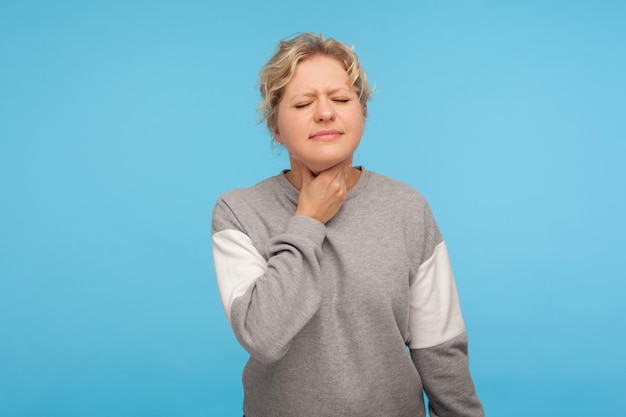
357, 317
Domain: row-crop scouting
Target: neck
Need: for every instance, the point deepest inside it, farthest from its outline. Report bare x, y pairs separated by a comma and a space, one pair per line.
352, 174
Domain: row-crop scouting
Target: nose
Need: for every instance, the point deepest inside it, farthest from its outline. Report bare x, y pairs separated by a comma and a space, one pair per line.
324, 110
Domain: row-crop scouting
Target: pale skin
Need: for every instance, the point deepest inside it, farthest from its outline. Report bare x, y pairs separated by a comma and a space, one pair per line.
320, 122
322, 196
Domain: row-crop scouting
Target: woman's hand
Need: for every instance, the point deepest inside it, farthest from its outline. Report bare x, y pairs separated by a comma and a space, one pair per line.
322, 196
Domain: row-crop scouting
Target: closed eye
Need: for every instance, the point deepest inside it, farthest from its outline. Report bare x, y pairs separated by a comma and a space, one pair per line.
301, 106
341, 100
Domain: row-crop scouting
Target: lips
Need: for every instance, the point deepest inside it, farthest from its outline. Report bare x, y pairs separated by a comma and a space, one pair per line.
325, 135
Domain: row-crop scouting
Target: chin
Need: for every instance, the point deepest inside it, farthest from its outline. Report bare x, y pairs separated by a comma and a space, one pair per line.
318, 167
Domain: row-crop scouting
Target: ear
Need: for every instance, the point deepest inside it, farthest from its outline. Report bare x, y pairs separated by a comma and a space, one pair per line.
276, 133
365, 110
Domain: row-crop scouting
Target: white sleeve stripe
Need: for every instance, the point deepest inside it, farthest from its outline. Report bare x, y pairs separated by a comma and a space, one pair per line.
435, 311
238, 265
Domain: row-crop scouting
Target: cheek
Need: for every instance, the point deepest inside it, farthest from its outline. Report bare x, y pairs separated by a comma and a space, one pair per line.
289, 128
359, 125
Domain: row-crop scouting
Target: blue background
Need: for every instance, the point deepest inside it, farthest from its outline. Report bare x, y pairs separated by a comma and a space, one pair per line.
122, 122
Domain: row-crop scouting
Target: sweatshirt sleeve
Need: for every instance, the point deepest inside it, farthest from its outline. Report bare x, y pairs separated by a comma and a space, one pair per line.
438, 341
444, 370
267, 299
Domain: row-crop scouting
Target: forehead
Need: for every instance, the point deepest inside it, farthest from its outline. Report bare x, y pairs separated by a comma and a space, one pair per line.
318, 73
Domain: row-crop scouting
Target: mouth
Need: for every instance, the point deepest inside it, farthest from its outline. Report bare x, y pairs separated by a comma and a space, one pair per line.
325, 135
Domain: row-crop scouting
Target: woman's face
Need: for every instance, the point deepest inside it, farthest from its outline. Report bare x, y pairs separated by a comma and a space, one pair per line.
320, 119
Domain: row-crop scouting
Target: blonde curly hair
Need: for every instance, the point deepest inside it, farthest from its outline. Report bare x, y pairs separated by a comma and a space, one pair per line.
279, 70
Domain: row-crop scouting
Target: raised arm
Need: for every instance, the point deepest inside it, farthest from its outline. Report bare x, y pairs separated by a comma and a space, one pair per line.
269, 296
267, 302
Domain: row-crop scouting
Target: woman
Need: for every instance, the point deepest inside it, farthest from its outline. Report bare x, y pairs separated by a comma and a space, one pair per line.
329, 272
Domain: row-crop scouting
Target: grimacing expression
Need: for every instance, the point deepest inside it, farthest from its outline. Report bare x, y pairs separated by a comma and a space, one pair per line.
320, 118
